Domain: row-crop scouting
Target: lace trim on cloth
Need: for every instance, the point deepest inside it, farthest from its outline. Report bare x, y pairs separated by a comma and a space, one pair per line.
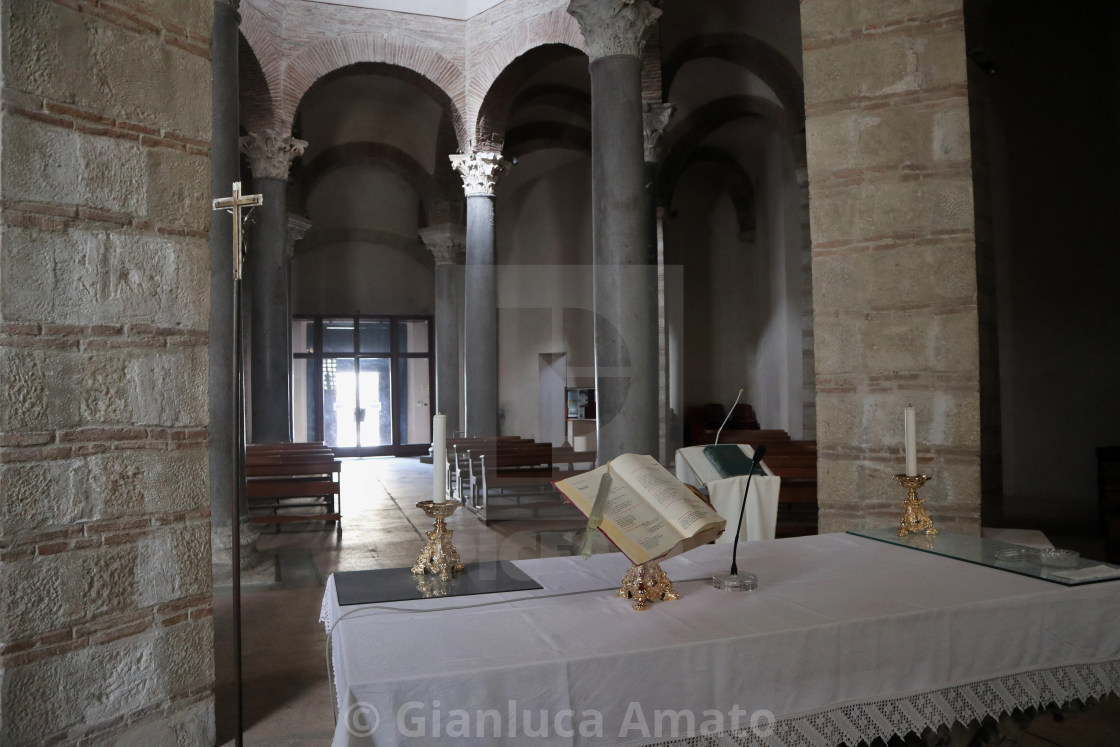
896, 717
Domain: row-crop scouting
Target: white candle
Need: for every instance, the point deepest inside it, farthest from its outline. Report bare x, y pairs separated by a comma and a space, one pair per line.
910, 432
439, 458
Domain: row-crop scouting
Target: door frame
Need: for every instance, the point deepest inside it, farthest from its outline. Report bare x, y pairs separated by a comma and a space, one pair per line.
315, 372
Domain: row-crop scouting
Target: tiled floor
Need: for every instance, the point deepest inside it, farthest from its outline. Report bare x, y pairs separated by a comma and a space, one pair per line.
287, 698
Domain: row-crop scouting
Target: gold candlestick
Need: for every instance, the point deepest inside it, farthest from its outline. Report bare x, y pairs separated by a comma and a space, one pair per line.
915, 520
439, 556
646, 583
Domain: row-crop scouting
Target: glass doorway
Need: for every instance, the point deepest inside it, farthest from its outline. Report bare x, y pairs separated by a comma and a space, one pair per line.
363, 385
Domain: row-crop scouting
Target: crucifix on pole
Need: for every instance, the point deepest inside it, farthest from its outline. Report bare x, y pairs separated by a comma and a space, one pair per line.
234, 205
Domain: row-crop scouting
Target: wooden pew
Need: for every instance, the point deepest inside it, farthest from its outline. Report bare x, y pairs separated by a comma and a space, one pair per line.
515, 480
275, 474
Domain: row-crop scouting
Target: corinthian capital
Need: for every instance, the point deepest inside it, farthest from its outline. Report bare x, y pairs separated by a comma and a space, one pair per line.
655, 117
271, 153
447, 243
614, 27
480, 171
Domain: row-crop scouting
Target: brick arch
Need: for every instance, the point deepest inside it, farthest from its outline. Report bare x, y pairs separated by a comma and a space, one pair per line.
555, 27
686, 136
736, 181
494, 111
254, 93
257, 36
749, 52
436, 200
318, 60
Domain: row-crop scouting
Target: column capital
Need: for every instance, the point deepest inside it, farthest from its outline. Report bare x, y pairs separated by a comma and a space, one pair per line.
655, 117
271, 152
480, 170
447, 243
298, 226
614, 27
234, 5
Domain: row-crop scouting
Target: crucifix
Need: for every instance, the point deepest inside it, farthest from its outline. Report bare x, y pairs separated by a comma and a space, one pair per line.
234, 205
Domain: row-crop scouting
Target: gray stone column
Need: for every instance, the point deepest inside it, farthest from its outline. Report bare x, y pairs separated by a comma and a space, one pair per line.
447, 244
480, 172
266, 271
298, 226
625, 285
655, 117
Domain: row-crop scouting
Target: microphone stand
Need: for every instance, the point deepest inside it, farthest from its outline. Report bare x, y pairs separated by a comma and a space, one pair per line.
733, 581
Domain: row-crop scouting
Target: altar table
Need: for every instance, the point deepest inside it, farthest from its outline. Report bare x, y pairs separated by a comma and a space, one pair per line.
845, 639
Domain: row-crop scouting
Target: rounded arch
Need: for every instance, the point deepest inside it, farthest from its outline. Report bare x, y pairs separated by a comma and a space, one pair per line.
495, 108
384, 156
751, 53
687, 134
736, 182
254, 94
433, 72
555, 27
543, 135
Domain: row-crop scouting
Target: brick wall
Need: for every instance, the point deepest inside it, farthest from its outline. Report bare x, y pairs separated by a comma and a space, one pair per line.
894, 266
105, 610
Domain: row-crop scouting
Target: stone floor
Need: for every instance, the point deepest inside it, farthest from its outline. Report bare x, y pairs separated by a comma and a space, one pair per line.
287, 697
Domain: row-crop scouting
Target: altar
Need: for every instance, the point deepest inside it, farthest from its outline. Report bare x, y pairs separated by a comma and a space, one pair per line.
847, 638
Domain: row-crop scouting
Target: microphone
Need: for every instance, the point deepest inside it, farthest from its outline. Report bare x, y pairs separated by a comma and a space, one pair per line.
737, 396
732, 580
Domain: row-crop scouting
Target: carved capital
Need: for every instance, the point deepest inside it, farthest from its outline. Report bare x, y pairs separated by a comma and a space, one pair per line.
655, 117
480, 171
271, 153
298, 226
447, 243
614, 27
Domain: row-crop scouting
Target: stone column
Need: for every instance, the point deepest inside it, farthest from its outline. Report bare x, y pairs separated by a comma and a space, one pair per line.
266, 271
447, 244
480, 172
625, 285
298, 226
655, 117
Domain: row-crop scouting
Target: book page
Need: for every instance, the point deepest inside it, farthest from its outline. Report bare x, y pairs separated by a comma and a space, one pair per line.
650, 515
678, 505
629, 521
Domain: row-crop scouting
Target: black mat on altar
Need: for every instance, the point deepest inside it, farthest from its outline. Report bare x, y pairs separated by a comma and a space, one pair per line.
399, 584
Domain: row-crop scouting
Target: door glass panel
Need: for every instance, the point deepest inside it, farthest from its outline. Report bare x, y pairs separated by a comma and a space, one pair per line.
416, 412
303, 399
303, 336
338, 335
340, 402
412, 335
375, 412
374, 335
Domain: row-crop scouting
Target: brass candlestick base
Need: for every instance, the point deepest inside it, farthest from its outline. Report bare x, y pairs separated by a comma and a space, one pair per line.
915, 520
646, 583
439, 556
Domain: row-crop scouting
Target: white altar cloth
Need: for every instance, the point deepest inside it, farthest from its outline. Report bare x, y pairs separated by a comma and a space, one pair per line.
846, 638
726, 494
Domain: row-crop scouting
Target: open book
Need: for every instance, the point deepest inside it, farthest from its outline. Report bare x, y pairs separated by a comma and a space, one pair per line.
650, 515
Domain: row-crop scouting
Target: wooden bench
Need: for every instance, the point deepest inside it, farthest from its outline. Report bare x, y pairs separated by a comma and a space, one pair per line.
515, 480
288, 476
459, 454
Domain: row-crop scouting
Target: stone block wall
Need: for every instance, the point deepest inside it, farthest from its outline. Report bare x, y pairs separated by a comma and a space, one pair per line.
894, 257
105, 609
